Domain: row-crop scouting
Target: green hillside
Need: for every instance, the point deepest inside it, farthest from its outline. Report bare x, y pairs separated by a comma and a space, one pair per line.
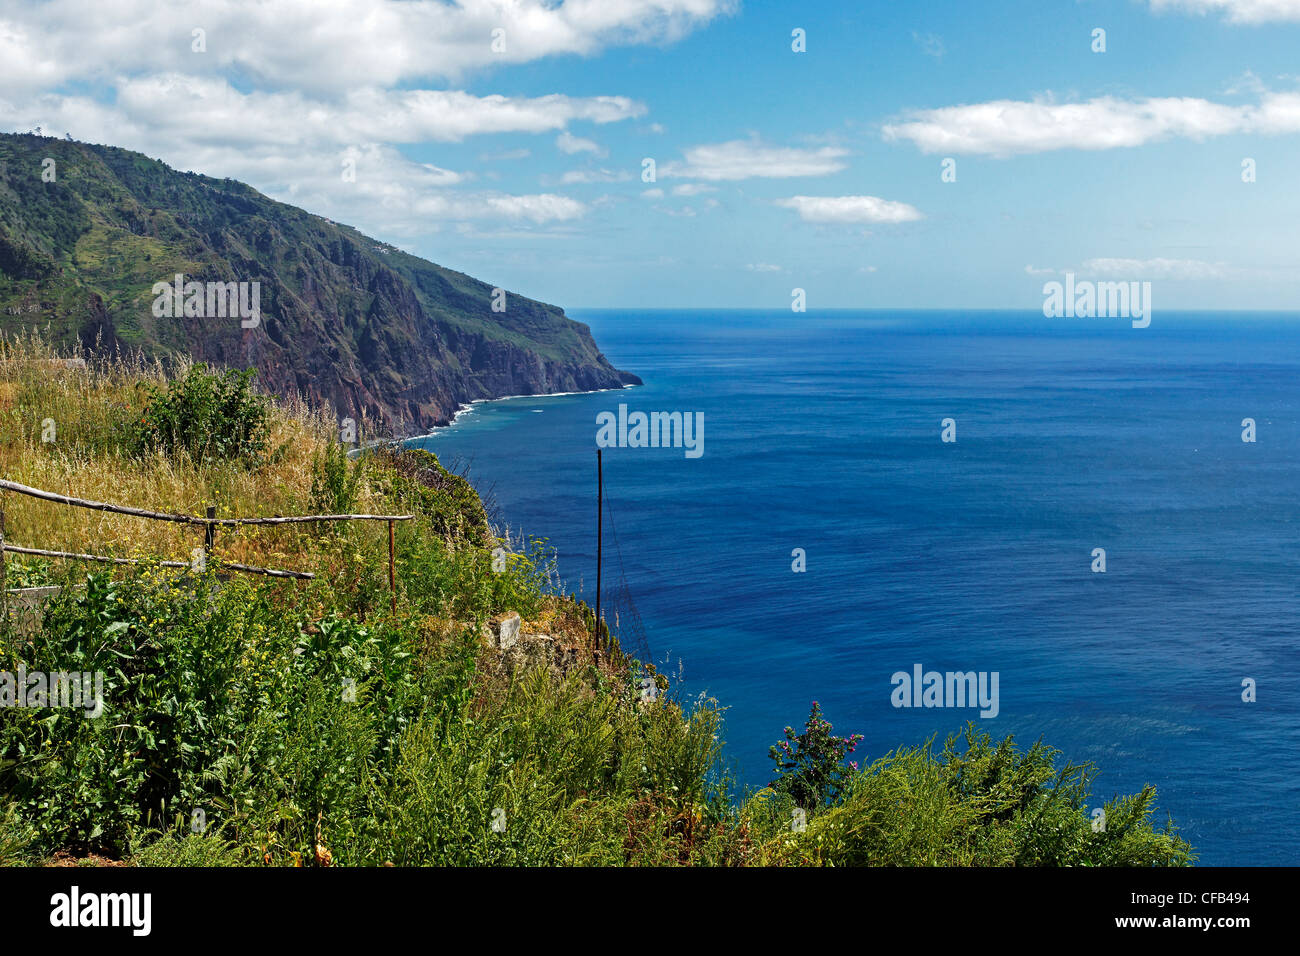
346, 320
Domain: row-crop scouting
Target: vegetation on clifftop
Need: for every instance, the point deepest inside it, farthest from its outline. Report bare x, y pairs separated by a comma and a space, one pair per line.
251, 721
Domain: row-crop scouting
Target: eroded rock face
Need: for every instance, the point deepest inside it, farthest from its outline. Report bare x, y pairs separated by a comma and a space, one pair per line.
522, 650
540, 650
505, 631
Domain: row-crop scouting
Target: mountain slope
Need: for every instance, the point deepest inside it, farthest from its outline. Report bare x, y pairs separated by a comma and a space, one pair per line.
344, 318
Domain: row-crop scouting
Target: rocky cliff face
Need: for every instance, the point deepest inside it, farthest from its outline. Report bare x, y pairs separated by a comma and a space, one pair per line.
343, 318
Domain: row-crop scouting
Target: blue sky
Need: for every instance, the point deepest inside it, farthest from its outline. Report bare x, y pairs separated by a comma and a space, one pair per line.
522, 165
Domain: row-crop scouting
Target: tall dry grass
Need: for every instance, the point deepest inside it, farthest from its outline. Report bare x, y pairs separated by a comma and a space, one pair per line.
63, 427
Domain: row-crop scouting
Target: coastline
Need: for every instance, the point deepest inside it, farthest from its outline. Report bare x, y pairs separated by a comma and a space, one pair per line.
464, 409
467, 407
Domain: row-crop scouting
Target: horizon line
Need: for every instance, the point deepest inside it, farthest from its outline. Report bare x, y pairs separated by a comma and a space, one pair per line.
907, 308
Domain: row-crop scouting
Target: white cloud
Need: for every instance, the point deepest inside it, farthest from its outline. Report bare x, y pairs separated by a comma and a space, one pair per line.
750, 159
566, 142
850, 209
321, 82
392, 195
931, 44
505, 155
314, 44
655, 193
1157, 269
545, 207
292, 147
285, 93
763, 267
1236, 11
1007, 127
185, 109
595, 176
1248, 82
1168, 269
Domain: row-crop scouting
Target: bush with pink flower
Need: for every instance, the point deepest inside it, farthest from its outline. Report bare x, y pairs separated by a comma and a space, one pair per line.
810, 766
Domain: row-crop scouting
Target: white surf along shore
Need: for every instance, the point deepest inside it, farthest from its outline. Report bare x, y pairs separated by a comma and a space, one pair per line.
468, 407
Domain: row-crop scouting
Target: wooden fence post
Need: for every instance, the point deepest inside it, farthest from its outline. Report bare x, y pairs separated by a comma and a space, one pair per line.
392, 566
209, 536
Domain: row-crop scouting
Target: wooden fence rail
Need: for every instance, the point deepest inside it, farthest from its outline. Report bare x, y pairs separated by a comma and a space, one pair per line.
209, 523
184, 519
248, 568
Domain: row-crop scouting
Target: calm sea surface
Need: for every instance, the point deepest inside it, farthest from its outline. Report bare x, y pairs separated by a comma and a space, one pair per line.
822, 432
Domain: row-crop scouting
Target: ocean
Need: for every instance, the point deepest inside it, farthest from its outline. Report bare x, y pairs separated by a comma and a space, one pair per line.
824, 432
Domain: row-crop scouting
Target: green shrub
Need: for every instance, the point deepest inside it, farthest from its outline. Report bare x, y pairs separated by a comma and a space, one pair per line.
976, 803
33, 573
310, 737
809, 766
207, 849
17, 838
335, 482
415, 478
207, 415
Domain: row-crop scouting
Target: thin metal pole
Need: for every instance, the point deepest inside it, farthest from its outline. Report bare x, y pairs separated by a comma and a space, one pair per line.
392, 572
600, 529
4, 580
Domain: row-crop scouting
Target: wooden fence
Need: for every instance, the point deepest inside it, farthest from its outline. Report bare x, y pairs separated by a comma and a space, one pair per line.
210, 522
